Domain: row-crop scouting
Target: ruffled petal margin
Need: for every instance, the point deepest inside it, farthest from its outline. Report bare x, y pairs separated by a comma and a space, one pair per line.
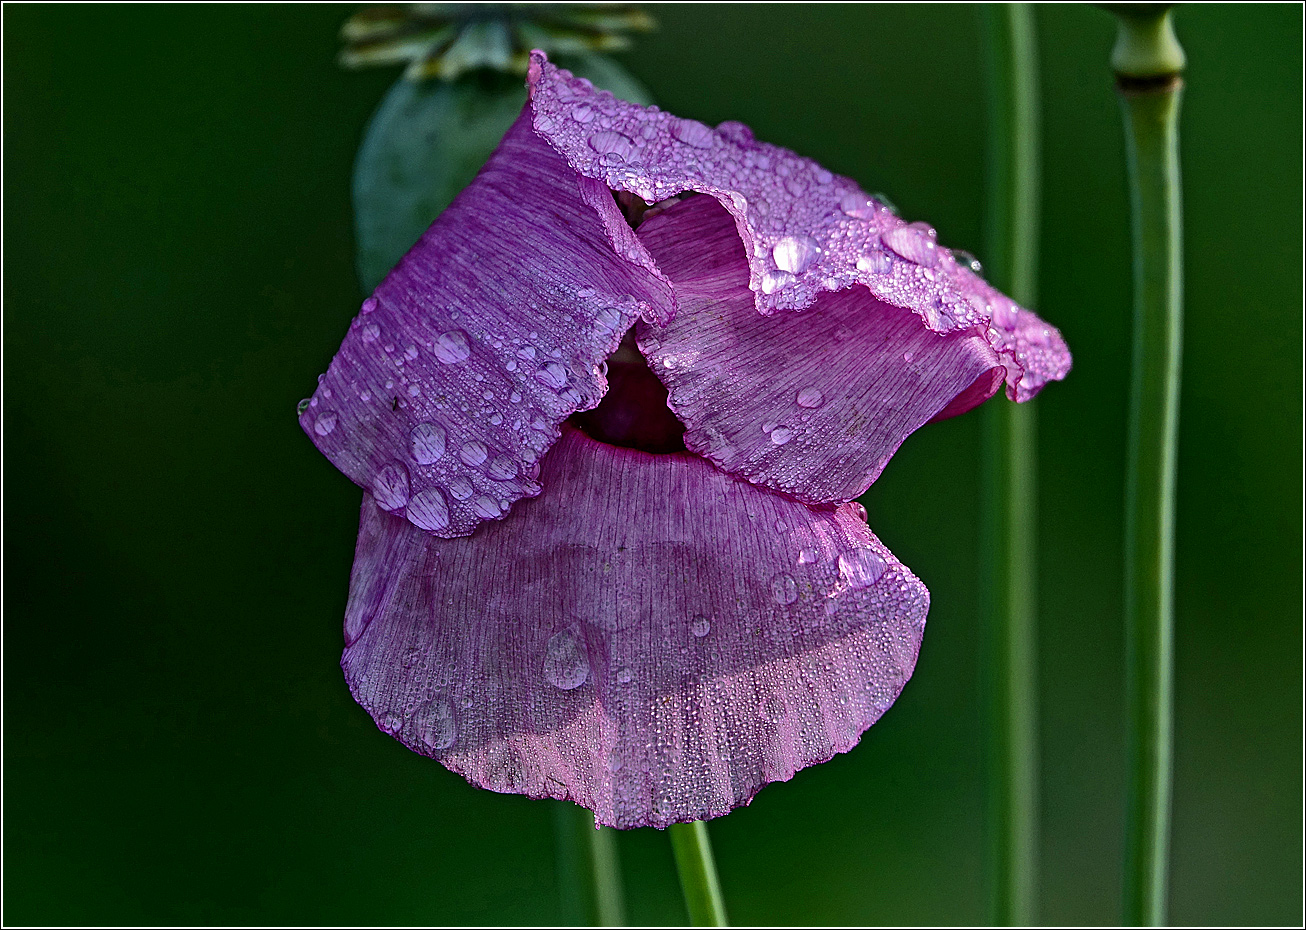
815, 403
454, 378
804, 230
650, 637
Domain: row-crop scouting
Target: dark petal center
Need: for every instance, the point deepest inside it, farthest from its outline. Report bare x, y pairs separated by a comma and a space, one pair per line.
634, 411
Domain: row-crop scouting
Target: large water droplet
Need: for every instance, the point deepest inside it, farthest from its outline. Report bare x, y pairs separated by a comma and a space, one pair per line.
700, 626
773, 281
390, 486
460, 489
302, 406
611, 142
390, 722
435, 726
426, 440
781, 435
428, 510
473, 453
624, 675
503, 468
806, 556
692, 133
968, 261
914, 242
371, 332
859, 206
795, 253
607, 318
452, 347
784, 590
1004, 314
861, 568
565, 663
810, 398
859, 510
369, 305
582, 113
552, 375
487, 508
326, 422
875, 261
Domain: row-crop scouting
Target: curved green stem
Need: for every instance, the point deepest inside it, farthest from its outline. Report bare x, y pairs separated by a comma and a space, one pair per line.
1150, 97
589, 870
1009, 471
698, 879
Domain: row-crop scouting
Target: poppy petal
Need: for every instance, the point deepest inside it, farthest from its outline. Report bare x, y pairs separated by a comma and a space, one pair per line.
811, 403
650, 637
453, 379
804, 230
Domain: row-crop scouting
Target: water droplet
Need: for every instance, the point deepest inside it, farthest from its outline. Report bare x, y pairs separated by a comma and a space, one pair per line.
859, 206
771, 709
968, 261
565, 664
552, 375
773, 281
390, 486
426, 440
503, 468
875, 261
1004, 314
452, 347
795, 253
371, 332
700, 626
435, 724
582, 113
461, 489
410, 353
390, 722
859, 510
908, 356
624, 675
781, 435
607, 318
842, 333
914, 242
369, 305
428, 510
302, 406
326, 422
861, 568
806, 556
514, 398
784, 589
414, 390
611, 142
473, 453
692, 133
810, 398
487, 508
734, 131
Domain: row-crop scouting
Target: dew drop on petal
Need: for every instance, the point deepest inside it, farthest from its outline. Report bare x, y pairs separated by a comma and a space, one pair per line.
428, 511
552, 375
369, 305
784, 590
426, 440
859, 510
473, 453
700, 626
435, 725
781, 435
390, 722
795, 253
460, 489
773, 281
611, 142
302, 406
810, 398
371, 332
390, 486
624, 675
861, 568
1004, 314
503, 468
452, 347
692, 133
875, 261
858, 206
914, 242
806, 556
582, 113
565, 664
326, 422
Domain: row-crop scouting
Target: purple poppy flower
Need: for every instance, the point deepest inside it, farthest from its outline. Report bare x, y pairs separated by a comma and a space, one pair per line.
565, 598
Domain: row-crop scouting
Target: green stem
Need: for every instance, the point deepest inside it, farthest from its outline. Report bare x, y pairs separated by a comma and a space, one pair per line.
698, 877
1009, 470
1150, 97
589, 870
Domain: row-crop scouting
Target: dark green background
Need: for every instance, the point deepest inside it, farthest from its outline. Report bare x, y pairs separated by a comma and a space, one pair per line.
179, 744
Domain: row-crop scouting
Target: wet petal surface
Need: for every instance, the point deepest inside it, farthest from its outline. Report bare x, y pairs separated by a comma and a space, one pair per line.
649, 637
812, 403
805, 231
454, 377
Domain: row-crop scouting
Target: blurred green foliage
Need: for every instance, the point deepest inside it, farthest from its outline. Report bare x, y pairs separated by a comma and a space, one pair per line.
179, 746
